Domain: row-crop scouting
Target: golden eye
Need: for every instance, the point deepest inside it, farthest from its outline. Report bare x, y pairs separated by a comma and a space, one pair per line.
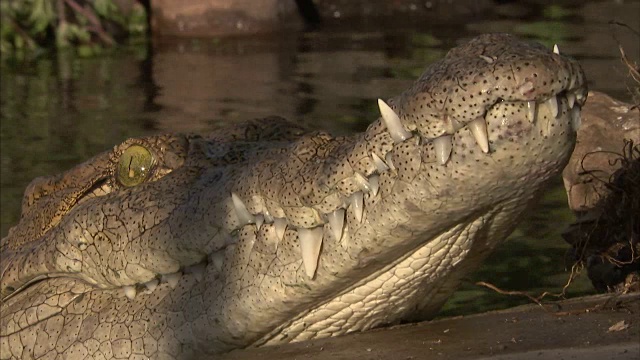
134, 166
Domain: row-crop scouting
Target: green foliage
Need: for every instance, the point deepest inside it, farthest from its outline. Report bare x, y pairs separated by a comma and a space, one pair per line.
86, 25
556, 12
41, 15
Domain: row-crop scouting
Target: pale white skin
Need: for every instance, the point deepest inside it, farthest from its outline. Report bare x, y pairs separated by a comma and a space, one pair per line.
263, 235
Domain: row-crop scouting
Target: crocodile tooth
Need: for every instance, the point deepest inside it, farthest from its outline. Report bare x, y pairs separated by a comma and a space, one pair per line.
576, 120
217, 259
196, 270
571, 99
486, 58
478, 128
151, 285
579, 96
259, 221
362, 182
381, 166
267, 217
374, 181
357, 204
310, 243
281, 227
443, 145
556, 49
454, 125
130, 292
526, 88
392, 122
244, 216
532, 109
336, 223
389, 160
552, 103
172, 279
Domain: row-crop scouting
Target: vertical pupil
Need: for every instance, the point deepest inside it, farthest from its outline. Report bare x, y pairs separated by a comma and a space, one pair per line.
131, 171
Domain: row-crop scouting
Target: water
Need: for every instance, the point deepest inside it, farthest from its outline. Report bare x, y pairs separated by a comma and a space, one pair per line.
60, 110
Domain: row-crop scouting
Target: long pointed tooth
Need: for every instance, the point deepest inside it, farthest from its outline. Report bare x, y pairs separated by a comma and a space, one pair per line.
259, 221
336, 223
556, 49
576, 119
478, 128
552, 103
454, 125
151, 285
381, 166
571, 99
532, 108
362, 181
389, 160
310, 244
392, 122
267, 217
217, 259
374, 181
443, 145
130, 292
281, 227
172, 279
244, 216
357, 204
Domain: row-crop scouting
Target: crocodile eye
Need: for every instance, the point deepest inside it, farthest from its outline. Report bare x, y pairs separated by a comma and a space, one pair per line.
134, 165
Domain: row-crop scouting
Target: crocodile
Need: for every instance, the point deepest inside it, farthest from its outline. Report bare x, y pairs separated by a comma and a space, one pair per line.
181, 245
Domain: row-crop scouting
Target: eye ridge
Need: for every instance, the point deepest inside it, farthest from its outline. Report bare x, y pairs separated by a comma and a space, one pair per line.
135, 165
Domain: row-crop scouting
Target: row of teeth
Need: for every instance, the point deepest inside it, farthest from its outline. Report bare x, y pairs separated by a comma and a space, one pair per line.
172, 279
311, 238
478, 127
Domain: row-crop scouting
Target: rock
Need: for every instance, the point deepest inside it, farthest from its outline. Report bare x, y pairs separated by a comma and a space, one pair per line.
215, 17
605, 123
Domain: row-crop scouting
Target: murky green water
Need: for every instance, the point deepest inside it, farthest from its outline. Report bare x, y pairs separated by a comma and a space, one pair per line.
57, 111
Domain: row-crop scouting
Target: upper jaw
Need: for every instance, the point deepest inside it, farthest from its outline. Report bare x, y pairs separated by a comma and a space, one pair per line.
436, 107
473, 77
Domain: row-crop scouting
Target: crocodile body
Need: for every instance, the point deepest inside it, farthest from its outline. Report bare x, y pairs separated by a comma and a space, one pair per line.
173, 246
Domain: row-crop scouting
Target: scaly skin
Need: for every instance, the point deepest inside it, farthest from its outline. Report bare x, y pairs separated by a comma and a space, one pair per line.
195, 259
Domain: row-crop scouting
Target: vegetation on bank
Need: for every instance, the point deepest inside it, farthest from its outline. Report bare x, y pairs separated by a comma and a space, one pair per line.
86, 25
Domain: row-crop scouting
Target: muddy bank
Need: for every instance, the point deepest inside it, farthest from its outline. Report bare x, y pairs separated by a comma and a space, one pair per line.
594, 327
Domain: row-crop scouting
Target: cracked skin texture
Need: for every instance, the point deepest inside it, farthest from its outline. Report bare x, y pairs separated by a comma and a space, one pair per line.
143, 252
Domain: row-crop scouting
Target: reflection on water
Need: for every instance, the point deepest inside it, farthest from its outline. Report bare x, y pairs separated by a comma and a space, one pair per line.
61, 110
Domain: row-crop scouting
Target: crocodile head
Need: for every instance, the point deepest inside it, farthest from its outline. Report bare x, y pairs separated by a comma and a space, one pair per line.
172, 245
